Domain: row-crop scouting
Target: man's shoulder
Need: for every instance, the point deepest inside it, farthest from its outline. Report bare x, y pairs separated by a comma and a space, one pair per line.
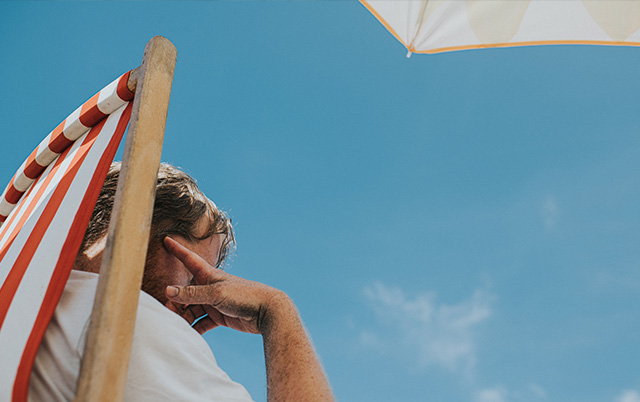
165, 328
170, 360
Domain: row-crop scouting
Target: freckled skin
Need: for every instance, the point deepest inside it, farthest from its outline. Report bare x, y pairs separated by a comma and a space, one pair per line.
293, 370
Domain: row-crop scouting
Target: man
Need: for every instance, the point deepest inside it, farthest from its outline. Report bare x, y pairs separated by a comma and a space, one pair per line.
189, 240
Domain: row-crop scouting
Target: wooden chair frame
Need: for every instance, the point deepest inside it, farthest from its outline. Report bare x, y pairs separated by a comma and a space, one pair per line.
105, 363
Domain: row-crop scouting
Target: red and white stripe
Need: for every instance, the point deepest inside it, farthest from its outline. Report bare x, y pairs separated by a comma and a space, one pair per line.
102, 104
46, 209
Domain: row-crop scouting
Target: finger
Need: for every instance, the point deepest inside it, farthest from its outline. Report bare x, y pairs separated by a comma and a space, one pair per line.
188, 315
216, 317
193, 313
201, 270
204, 325
194, 294
237, 323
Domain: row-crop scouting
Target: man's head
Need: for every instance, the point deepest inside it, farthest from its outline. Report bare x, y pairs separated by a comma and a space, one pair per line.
181, 210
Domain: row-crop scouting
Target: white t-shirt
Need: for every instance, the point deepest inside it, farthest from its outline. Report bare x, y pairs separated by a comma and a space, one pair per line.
169, 359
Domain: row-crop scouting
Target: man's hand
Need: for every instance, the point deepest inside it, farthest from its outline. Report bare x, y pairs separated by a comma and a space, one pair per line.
222, 298
293, 370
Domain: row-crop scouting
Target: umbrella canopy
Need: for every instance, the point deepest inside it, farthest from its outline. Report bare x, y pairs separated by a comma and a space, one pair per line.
434, 26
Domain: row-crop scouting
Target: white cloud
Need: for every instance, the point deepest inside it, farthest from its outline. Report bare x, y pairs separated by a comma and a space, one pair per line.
624, 278
533, 392
550, 212
538, 391
497, 394
629, 395
428, 332
368, 338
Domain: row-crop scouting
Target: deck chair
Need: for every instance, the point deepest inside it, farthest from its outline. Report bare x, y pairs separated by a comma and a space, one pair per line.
46, 208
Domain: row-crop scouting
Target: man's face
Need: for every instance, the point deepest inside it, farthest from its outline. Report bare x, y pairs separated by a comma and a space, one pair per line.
163, 269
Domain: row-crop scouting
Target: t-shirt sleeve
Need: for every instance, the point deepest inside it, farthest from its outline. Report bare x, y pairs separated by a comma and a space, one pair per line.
171, 361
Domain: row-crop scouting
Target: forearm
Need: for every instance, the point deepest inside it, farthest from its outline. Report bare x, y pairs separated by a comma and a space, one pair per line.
293, 370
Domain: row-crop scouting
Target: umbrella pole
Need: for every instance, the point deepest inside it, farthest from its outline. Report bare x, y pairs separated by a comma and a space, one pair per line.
104, 366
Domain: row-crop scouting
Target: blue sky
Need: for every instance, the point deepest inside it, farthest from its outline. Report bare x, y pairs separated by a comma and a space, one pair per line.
454, 227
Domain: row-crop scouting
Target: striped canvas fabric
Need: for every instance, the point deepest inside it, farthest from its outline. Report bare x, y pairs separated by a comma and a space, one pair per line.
434, 26
44, 212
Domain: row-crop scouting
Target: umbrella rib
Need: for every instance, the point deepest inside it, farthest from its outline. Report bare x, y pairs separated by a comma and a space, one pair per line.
423, 10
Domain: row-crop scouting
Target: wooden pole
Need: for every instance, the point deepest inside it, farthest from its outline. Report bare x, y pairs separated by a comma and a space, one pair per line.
105, 362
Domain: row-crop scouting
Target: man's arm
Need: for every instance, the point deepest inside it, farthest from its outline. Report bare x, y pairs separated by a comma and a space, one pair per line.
293, 370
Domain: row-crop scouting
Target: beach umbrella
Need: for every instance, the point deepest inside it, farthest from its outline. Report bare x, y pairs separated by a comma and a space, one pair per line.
434, 26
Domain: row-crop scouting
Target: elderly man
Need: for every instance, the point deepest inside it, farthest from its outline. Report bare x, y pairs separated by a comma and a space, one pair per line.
182, 285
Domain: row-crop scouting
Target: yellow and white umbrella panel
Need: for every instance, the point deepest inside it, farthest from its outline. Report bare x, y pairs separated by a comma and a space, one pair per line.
434, 26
